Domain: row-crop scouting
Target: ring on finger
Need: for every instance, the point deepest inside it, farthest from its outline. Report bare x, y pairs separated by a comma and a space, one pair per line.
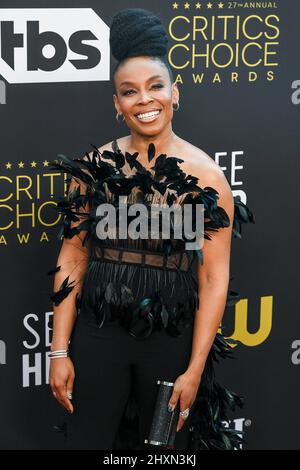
185, 413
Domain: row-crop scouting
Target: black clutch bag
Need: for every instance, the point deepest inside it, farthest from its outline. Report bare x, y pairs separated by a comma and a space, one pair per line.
164, 423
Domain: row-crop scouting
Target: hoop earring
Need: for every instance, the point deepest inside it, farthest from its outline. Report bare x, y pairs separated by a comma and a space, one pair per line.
176, 109
117, 118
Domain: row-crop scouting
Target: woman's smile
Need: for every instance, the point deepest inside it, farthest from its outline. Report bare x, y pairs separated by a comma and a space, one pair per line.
148, 117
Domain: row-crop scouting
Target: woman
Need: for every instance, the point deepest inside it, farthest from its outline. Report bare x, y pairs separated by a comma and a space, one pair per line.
129, 307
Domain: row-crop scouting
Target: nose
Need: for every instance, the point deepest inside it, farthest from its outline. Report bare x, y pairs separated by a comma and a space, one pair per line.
144, 97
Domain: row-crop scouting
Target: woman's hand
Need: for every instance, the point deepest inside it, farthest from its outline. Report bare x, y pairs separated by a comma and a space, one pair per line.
185, 390
61, 379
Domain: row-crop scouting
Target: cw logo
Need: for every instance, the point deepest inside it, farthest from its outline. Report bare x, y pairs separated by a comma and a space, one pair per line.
241, 332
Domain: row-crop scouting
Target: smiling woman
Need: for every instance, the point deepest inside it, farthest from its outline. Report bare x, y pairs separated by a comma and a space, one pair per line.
139, 310
147, 99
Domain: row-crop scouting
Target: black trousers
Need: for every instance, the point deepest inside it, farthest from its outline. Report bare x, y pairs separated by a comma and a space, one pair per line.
108, 363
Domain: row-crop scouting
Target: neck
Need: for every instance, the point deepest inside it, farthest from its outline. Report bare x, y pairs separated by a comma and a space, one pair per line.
163, 142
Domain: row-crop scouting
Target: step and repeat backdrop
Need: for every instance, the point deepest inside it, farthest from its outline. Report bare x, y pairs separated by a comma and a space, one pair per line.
237, 68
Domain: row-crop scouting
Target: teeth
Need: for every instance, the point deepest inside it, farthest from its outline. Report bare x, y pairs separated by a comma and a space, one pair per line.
146, 115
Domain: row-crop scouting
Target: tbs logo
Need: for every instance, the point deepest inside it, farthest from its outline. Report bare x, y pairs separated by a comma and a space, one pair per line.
53, 45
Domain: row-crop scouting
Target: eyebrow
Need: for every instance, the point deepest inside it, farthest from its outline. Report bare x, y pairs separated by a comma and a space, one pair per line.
126, 82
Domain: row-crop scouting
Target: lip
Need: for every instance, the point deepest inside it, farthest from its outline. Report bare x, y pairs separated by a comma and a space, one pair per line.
148, 111
149, 120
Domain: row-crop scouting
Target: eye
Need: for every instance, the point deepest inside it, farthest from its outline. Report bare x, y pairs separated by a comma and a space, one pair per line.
126, 92
156, 85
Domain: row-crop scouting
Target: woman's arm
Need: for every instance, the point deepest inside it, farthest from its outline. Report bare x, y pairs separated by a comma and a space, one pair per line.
70, 270
213, 279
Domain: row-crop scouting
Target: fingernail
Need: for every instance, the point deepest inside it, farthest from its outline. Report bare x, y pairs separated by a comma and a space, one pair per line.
170, 408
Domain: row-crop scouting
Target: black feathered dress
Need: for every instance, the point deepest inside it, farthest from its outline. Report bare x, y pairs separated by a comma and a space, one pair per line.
148, 284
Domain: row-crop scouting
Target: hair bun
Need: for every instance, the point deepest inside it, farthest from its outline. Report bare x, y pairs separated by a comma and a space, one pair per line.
136, 31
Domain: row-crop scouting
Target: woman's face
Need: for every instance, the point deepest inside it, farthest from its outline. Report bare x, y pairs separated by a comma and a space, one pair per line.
143, 85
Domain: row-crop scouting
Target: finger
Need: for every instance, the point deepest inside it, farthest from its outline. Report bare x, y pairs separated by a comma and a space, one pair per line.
57, 394
181, 420
63, 398
70, 392
173, 400
54, 391
180, 423
70, 404
70, 383
58, 398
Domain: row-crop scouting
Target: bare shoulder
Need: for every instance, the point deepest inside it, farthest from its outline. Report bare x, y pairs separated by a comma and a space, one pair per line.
198, 163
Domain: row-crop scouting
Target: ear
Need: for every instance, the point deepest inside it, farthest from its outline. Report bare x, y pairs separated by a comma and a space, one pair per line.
116, 103
175, 93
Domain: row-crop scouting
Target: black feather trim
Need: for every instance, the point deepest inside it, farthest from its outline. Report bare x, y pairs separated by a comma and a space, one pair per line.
64, 290
54, 270
242, 215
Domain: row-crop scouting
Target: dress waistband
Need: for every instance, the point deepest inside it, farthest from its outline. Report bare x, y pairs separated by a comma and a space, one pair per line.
177, 260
